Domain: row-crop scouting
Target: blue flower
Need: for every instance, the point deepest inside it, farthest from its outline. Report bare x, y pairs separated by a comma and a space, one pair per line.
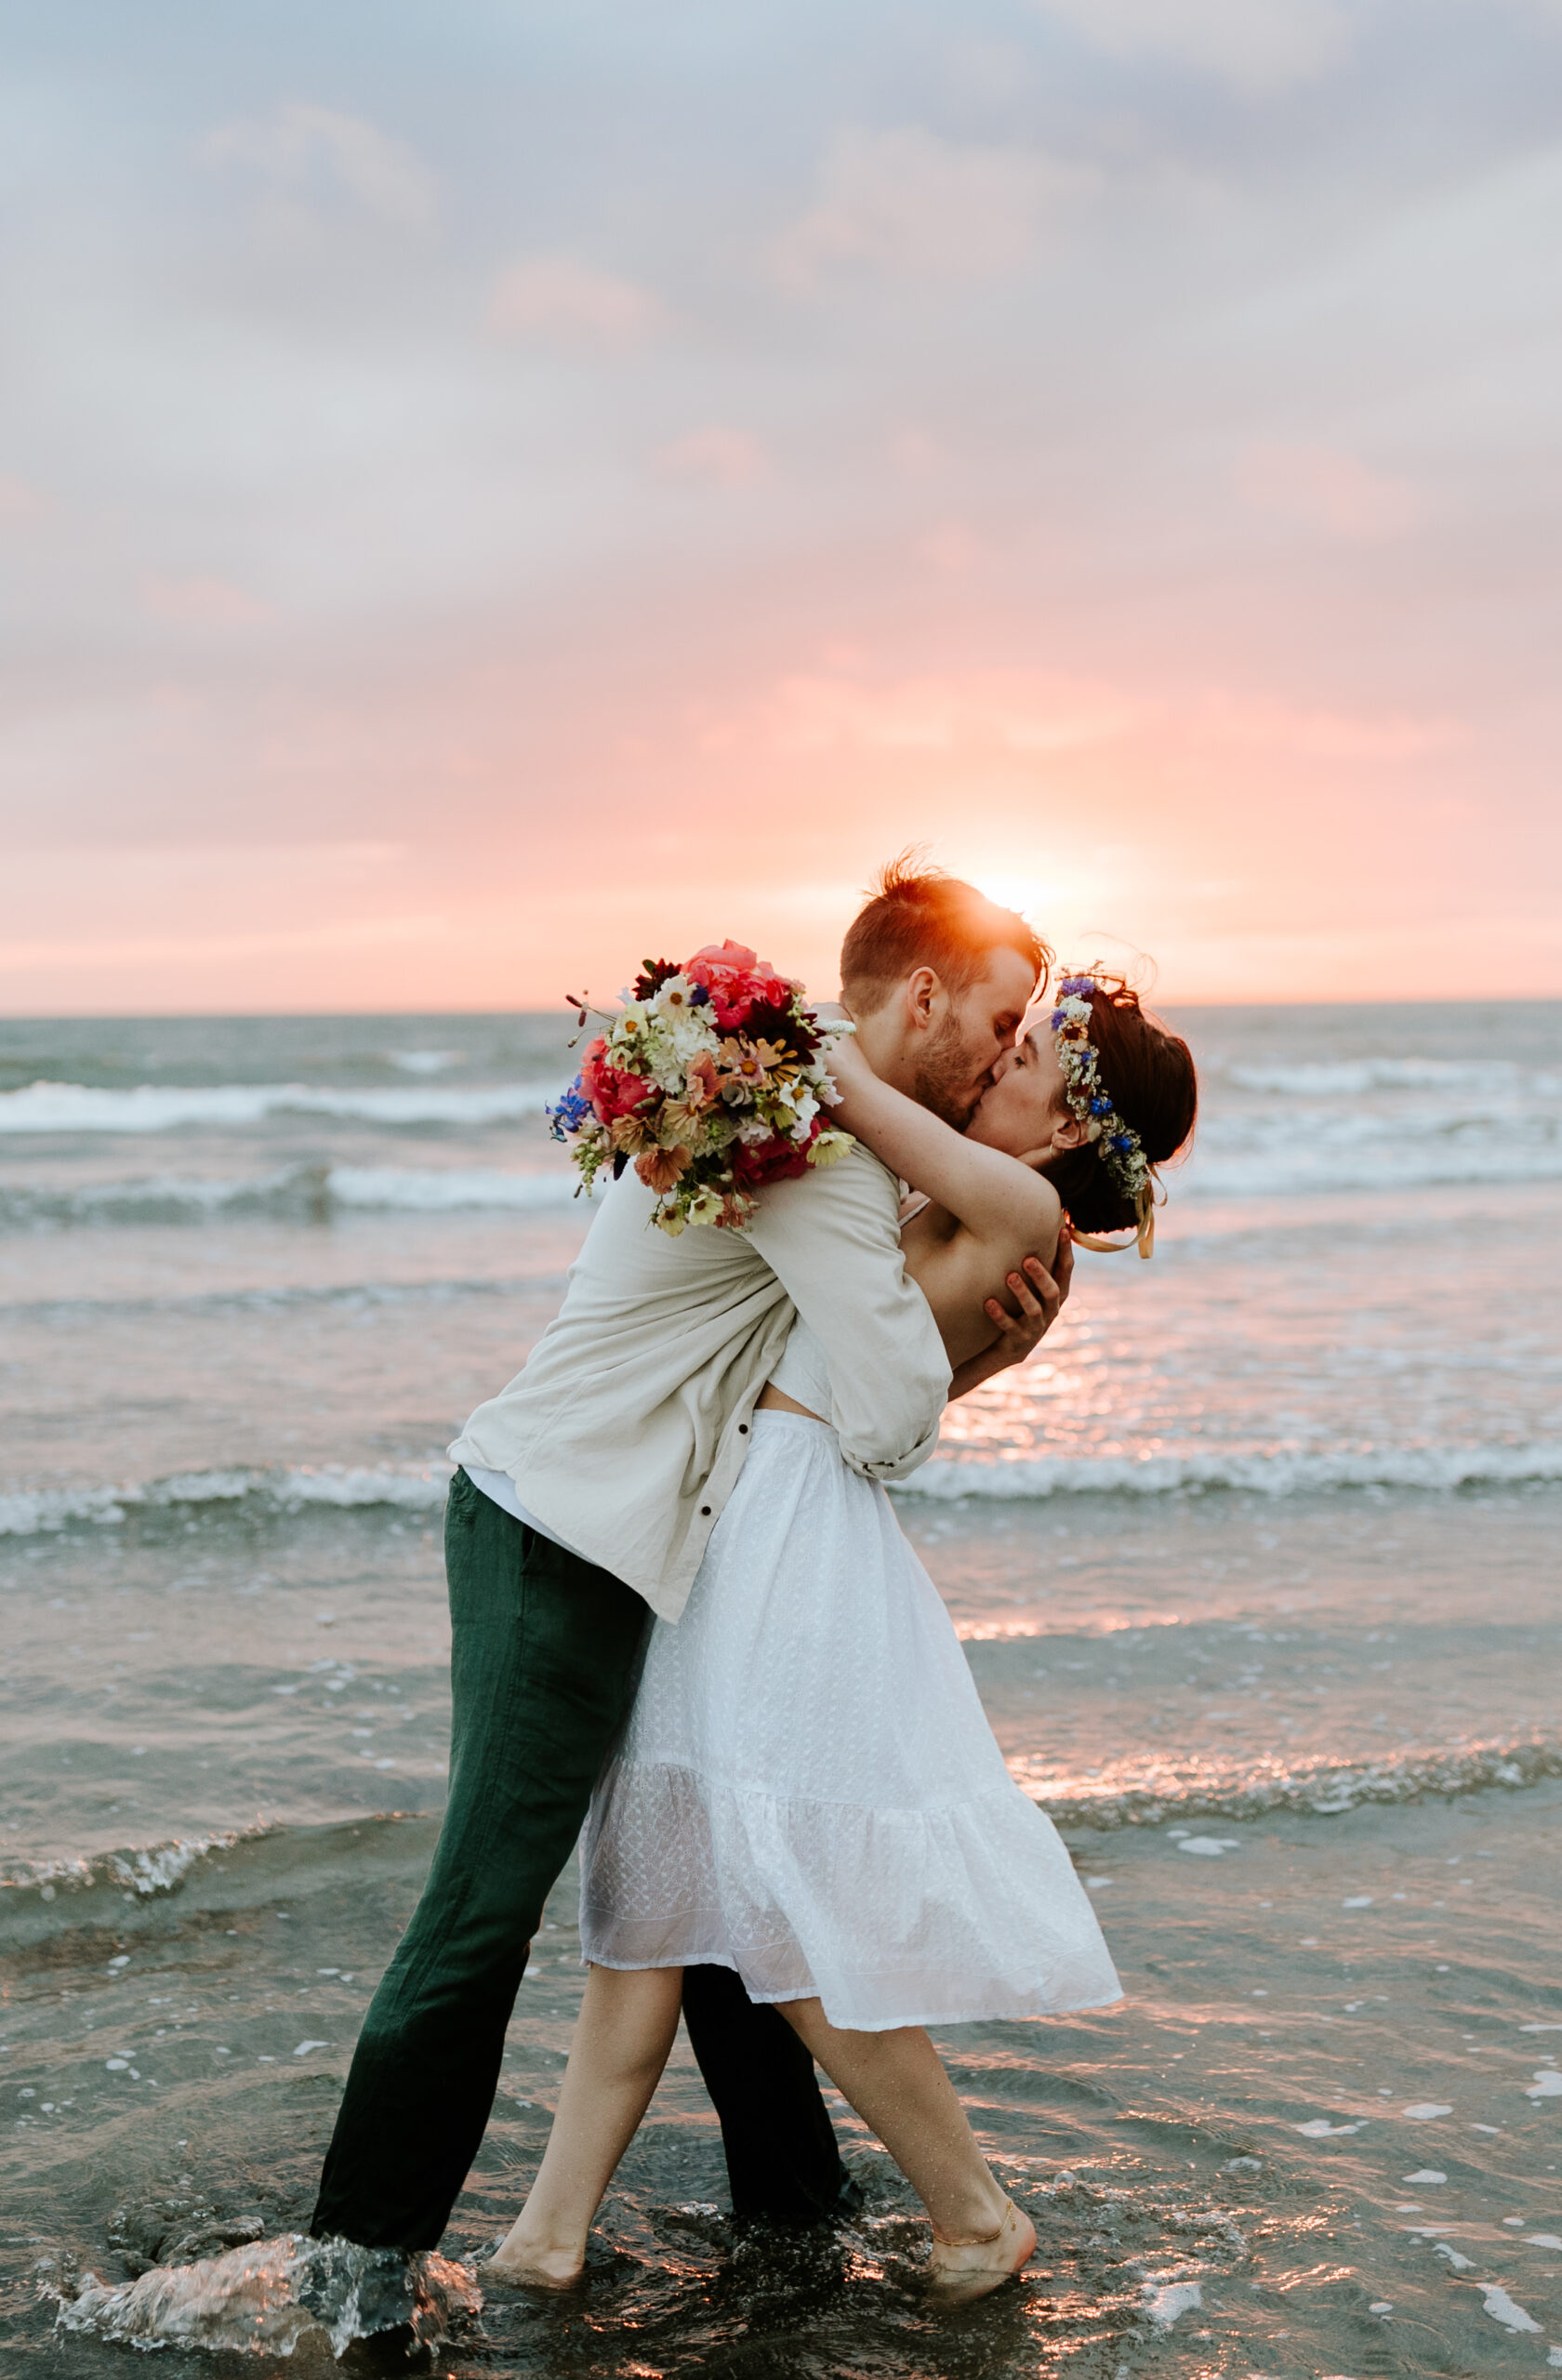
699, 995
571, 1113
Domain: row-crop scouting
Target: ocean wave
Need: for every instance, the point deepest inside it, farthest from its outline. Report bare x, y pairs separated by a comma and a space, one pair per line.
1381, 1164
293, 1194
1151, 1792
33, 1512
155, 1107
1267, 1474
1353, 1077
1147, 1789
421, 1488
420, 1190
149, 1871
1256, 1152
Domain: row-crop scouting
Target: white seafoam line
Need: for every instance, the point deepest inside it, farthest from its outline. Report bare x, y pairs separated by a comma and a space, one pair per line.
1286, 1474
26, 1512
155, 1108
290, 1192
1320, 1787
1146, 1792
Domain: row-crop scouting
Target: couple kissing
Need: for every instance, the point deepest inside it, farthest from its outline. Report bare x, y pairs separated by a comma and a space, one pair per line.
687, 1630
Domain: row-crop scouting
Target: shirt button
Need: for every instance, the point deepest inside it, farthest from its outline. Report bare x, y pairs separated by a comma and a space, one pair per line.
705, 1512
743, 1429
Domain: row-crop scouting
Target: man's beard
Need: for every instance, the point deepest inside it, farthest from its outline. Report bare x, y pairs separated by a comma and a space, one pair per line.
943, 1081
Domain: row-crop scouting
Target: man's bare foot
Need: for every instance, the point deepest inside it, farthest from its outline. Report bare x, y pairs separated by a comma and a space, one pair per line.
960, 2269
540, 2263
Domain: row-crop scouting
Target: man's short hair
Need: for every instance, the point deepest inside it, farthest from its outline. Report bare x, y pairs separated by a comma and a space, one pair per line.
919, 917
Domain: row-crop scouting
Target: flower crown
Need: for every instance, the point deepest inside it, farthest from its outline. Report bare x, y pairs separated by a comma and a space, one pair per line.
1117, 1144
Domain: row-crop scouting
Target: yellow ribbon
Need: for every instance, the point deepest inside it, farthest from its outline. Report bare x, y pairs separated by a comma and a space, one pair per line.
1144, 1235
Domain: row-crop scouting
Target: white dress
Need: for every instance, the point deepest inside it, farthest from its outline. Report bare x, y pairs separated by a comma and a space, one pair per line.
807, 1788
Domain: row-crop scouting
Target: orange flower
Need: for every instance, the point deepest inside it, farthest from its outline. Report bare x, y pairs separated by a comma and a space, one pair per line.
659, 1169
701, 1087
748, 1067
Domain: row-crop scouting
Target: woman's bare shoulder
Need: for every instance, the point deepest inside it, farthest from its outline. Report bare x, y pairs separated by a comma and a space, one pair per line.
934, 1239
1037, 1208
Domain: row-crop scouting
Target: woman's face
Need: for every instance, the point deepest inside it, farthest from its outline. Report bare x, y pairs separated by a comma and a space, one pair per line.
1023, 1106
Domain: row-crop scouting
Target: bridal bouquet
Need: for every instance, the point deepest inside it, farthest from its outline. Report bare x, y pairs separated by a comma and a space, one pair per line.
711, 1081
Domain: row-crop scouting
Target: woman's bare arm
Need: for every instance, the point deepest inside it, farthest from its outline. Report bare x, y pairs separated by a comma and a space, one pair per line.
992, 1194
1039, 1296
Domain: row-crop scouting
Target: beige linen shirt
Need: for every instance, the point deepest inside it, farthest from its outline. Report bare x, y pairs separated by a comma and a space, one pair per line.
627, 1430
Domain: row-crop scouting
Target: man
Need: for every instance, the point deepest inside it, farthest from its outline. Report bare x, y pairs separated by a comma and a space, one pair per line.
588, 1491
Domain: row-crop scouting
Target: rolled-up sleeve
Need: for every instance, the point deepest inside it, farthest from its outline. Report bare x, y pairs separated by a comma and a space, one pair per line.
833, 1240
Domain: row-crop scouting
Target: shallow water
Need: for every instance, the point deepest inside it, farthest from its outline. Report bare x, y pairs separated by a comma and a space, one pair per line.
1256, 1568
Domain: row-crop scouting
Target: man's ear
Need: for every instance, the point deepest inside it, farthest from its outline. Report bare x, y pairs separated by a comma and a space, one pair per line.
924, 997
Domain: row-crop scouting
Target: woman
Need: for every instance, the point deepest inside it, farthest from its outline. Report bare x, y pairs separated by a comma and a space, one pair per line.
807, 1788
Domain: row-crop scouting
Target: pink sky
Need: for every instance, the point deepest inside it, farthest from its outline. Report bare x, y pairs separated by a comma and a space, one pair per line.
474, 510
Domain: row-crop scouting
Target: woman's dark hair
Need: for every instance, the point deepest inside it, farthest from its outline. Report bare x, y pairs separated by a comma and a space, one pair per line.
1149, 1075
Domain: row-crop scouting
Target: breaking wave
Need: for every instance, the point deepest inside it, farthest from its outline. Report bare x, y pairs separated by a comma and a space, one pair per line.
1265, 1474
1149, 1791
29, 1511
1142, 1790
148, 1872
1353, 1077
1254, 1151
26, 1512
156, 1108
292, 1194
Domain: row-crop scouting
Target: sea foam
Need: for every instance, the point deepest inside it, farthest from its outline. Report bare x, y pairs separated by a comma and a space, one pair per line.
1261, 1474
31, 1512
1146, 1791
287, 1194
157, 1108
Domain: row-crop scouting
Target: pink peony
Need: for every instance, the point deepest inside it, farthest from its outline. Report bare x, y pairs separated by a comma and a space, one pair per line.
611, 1091
737, 980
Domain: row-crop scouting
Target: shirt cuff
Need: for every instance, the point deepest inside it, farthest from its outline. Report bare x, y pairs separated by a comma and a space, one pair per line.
896, 1466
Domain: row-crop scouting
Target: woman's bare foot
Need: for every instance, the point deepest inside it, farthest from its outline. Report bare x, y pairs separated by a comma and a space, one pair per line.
965, 2268
540, 2263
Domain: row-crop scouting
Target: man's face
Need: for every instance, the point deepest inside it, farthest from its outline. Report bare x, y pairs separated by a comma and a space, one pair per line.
956, 1066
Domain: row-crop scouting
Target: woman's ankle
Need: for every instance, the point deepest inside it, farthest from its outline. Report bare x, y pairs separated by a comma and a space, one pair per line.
970, 2216
546, 2249
970, 2270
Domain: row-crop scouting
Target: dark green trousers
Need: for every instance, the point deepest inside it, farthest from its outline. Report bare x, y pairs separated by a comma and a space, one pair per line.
545, 1653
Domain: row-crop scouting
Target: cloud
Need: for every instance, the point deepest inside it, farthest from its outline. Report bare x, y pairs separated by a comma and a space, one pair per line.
717, 456
1320, 735
954, 548
19, 503
1014, 711
302, 145
558, 297
1259, 46
202, 602
1324, 488
907, 202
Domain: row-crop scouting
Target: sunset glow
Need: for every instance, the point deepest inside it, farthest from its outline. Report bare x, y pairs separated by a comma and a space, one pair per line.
480, 500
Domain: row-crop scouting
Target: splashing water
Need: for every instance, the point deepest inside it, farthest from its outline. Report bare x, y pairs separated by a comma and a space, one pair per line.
267, 2297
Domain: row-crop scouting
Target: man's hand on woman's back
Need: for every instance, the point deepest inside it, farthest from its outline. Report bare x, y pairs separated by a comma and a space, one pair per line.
1039, 1296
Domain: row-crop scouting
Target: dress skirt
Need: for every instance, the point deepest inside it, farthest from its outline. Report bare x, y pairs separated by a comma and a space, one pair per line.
807, 1789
